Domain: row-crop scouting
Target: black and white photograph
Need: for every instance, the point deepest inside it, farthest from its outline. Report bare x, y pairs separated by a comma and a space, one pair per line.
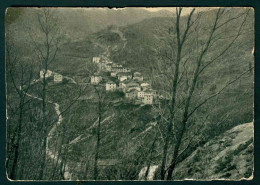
129, 94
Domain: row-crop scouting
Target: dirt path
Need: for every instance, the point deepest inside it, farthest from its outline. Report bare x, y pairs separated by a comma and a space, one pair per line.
150, 175
120, 33
80, 138
53, 155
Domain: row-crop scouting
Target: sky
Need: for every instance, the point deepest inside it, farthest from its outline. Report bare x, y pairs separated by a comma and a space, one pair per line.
184, 10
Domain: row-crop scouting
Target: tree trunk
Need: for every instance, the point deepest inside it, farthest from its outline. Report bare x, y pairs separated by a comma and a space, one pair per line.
175, 154
17, 143
44, 128
43, 157
150, 158
170, 124
97, 147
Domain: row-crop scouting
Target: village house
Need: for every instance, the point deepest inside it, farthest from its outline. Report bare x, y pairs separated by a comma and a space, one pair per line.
122, 86
122, 76
135, 87
47, 75
150, 91
113, 74
132, 85
138, 76
129, 75
126, 70
102, 66
131, 94
110, 86
57, 77
117, 69
95, 79
153, 92
140, 94
145, 85
148, 99
96, 60
117, 65
108, 67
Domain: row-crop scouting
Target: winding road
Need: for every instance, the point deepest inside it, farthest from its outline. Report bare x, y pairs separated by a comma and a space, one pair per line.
121, 34
150, 175
53, 155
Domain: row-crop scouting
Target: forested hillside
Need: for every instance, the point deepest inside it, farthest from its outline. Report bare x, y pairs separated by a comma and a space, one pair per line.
200, 64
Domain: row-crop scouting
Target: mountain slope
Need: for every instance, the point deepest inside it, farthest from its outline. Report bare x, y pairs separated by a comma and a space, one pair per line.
228, 156
77, 23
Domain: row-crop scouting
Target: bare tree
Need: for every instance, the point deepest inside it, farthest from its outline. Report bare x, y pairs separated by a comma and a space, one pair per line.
46, 41
102, 105
189, 41
20, 77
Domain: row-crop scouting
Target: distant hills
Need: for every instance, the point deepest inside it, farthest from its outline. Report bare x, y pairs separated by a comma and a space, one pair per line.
79, 22
130, 36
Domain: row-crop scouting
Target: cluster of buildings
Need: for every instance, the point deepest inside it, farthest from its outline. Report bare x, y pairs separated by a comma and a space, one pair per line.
56, 76
121, 78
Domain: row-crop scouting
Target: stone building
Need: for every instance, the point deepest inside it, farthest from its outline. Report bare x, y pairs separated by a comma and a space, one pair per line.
140, 94
96, 60
122, 86
57, 78
131, 94
113, 74
110, 86
47, 75
145, 85
138, 76
95, 79
148, 99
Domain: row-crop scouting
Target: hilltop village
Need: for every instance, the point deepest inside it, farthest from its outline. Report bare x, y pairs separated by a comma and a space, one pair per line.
115, 77
120, 78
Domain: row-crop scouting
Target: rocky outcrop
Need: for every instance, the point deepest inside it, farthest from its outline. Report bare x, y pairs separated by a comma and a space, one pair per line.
228, 156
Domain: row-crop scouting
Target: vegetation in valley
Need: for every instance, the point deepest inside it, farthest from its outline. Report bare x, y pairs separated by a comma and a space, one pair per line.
201, 63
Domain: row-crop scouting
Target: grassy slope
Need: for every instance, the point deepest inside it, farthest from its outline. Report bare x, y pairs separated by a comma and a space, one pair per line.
227, 156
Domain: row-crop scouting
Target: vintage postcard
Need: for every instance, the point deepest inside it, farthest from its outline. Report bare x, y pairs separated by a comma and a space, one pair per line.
129, 93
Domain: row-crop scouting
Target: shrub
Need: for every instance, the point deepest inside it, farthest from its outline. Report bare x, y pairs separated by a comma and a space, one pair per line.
243, 146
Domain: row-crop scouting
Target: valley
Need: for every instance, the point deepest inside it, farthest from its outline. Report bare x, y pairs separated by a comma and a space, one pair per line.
119, 100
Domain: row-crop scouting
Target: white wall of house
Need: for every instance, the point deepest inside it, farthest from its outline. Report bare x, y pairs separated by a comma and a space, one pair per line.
113, 74
148, 99
139, 78
140, 94
47, 75
137, 74
145, 84
110, 86
95, 79
122, 78
126, 70
58, 78
134, 87
108, 67
122, 86
96, 59
131, 94
129, 77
